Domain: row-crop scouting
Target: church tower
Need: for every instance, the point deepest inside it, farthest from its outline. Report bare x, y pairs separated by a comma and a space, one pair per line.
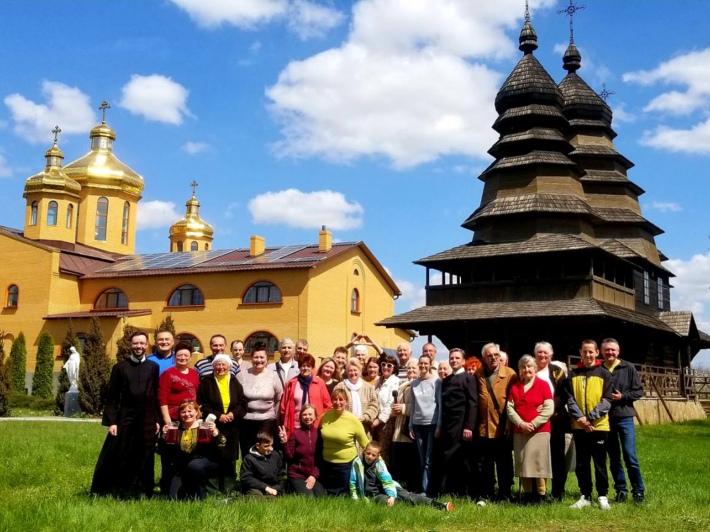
110, 191
191, 233
52, 200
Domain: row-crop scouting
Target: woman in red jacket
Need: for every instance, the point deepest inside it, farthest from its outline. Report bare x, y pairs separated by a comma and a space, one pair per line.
301, 449
301, 390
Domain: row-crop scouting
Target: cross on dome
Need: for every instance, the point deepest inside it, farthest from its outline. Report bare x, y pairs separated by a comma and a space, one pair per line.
193, 185
104, 105
56, 132
569, 11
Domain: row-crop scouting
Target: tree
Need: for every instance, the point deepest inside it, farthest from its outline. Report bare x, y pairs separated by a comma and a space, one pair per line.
42, 385
123, 346
5, 380
18, 363
167, 325
63, 385
94, 372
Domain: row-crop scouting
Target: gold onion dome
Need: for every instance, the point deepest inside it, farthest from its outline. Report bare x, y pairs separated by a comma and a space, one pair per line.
53, 178
100, 168
191, 224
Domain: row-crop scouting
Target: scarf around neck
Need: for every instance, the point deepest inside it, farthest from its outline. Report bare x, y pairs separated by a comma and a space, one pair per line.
305, 383
355, 396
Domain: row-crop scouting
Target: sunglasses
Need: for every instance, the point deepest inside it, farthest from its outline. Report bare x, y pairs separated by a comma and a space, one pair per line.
387, 365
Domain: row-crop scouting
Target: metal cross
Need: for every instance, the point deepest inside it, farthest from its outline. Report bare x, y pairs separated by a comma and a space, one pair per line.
570, 10
527, 11
56, 132
605, 93
193, 185
104, 105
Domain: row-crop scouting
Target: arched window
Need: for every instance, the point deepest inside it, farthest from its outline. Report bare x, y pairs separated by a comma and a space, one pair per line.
13, 294
179, 246
187, 337
207, 247
101, 219
33, 216
70, 215
193, 246
272, 343
52, 213
111, 298
185, 296
124, 226
262, 292
355, 301
356, 272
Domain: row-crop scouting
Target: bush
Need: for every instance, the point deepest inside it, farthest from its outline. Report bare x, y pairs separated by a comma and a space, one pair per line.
123, 346
18, 363
24, 401
167, 325
42, 385
5, 381
63, 385
94, 372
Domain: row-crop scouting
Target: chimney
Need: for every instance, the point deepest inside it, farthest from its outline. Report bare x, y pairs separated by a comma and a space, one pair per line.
325, 240
256, 246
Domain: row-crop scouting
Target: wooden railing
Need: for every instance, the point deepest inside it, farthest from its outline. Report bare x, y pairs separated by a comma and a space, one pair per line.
702, 387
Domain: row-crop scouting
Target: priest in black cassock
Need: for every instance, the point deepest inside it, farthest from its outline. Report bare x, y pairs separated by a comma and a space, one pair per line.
125, 467
459, 413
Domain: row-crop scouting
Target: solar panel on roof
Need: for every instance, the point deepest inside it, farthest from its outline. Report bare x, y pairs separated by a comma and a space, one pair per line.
160, 261
283, 252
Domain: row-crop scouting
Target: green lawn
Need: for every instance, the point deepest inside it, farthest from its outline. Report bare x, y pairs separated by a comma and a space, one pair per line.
46, 471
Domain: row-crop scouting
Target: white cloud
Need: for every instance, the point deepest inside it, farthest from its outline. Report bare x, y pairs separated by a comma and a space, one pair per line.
307, 210
66, 106
156, 98
5, 170
307, 19
255, 47
156, 214
695, 140
402, 86
245, 14
193, 148
621, 115
663, 206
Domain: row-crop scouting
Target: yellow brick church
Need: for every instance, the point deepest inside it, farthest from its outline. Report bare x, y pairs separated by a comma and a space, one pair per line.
74, 259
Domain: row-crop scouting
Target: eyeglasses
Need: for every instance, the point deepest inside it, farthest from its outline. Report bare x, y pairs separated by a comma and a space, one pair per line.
387, 365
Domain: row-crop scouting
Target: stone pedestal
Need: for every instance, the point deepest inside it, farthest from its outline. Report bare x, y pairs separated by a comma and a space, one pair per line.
71, 403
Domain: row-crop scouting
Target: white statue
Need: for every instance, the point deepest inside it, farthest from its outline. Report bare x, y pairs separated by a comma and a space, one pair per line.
72, 368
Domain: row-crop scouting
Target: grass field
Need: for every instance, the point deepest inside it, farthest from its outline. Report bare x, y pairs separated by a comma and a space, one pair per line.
46, 471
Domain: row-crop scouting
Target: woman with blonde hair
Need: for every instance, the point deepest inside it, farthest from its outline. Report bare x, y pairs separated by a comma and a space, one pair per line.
362, 398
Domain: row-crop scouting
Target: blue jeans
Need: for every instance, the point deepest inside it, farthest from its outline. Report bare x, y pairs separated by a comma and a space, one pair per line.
622, 431
425, 445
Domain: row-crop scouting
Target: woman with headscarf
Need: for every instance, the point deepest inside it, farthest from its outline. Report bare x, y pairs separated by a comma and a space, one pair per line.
301, 390
222, 395
362, 399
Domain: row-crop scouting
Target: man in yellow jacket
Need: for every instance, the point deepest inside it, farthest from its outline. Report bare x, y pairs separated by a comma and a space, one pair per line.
589, 402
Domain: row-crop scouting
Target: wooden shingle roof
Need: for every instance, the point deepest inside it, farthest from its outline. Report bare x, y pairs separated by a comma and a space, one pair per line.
534, 158
528, 83
620, 215
537, 114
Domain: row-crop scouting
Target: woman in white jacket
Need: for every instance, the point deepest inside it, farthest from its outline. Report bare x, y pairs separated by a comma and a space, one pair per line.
387, 387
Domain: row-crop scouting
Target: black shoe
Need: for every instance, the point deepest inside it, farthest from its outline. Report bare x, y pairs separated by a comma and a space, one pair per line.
622, 496
639, 498
557, 497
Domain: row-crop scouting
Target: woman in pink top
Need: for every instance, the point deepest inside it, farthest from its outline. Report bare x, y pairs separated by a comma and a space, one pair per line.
177, 383
301, 390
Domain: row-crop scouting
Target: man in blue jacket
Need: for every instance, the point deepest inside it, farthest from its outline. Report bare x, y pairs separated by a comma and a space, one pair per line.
626, 388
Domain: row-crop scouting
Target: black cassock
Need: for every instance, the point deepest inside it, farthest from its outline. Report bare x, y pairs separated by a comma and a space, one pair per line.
125, 467
459, 411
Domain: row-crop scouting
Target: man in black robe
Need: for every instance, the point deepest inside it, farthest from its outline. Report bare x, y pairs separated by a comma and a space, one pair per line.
459, 413
125, 467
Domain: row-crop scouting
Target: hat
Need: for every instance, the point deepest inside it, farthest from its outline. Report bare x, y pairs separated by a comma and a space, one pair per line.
221, 356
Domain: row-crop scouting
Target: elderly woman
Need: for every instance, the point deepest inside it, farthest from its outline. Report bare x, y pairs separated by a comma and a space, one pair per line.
326, 372
424, 415
195, 460
405, 459
530, 406
362, 399
372, 370
221, 394
340, 432
300, 450
262, 390
383, 427
306, 388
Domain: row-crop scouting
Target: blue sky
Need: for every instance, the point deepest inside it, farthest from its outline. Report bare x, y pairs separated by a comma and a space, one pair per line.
370, 116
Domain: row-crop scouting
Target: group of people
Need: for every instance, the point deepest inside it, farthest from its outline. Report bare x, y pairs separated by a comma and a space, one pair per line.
383, 427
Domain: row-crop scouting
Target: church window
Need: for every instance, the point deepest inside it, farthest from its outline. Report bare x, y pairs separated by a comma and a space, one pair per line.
262, 292
646, 289
111, 298
355, 272
52, 213
185, 296
660, 293
70, 215
192, 340
207, 247
193, 246
35, 207
272, 343
179, 246
355, 301
124, 226
13, 293
101, 219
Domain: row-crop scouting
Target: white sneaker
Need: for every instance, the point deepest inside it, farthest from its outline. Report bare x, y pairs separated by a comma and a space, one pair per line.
481, 503
604, 503
583, 502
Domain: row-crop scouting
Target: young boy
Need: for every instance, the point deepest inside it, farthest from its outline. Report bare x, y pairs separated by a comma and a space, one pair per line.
369, 478
263, 471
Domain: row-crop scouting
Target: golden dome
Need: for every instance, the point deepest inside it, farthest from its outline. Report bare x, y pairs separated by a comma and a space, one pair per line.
53, 178
100, 168
191, 225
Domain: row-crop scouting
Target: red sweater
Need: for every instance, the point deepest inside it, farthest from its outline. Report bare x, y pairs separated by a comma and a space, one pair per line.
318, 396
526, 403
176, 387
